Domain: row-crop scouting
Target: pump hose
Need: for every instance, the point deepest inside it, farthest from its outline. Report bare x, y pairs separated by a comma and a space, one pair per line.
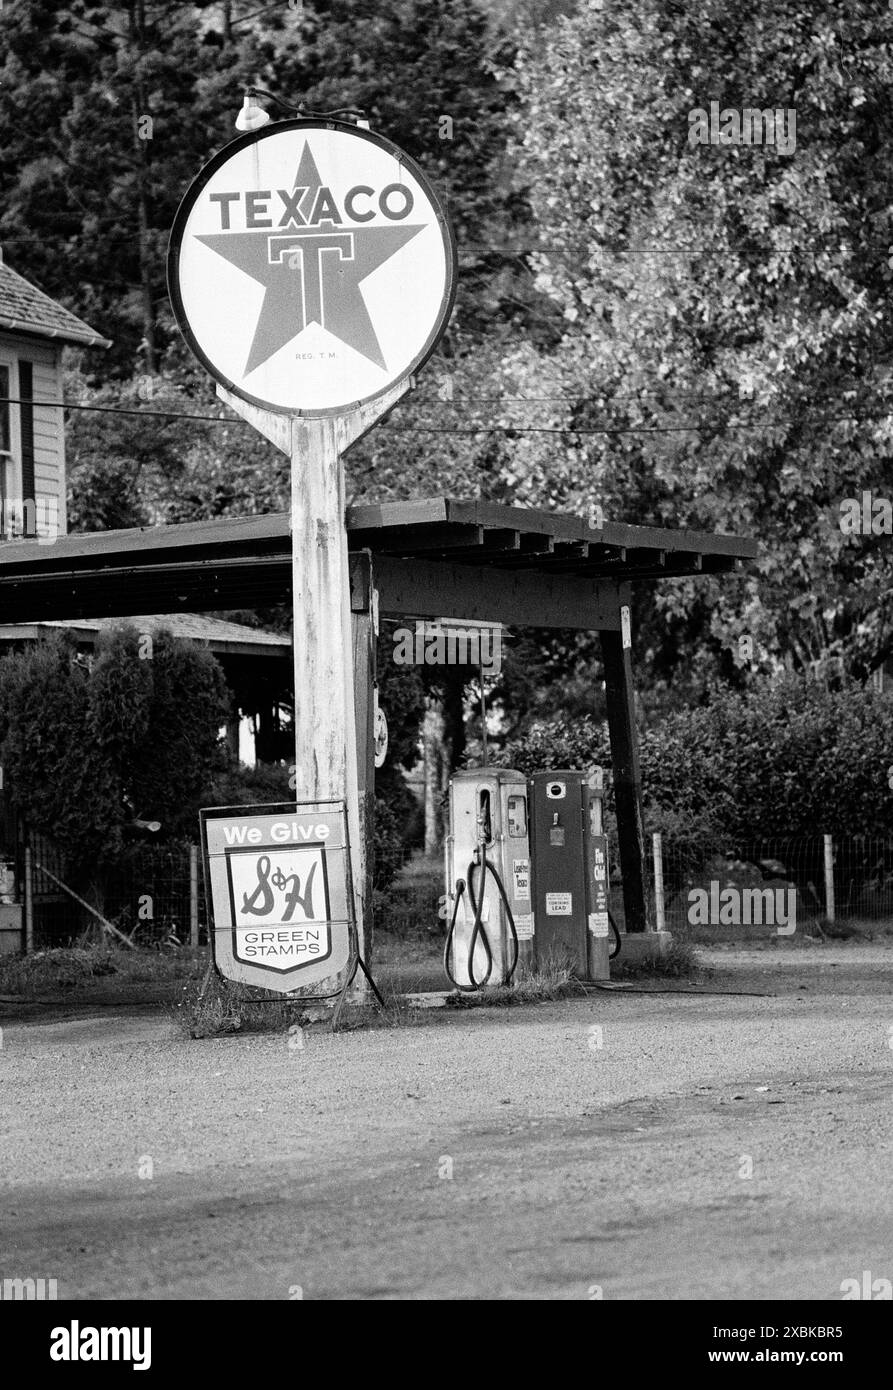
478, 931
460, 889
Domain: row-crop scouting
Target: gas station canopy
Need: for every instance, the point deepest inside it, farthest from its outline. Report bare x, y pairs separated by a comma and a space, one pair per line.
430, 557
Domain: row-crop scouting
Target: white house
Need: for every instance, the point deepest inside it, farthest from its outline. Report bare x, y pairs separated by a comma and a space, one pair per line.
33, 331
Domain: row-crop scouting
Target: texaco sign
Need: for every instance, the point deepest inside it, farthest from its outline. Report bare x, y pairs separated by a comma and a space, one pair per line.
311, 267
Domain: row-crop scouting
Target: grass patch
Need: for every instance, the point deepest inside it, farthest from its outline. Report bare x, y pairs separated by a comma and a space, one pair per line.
554, 980
854, 928
677, 962
62, 968
67, 969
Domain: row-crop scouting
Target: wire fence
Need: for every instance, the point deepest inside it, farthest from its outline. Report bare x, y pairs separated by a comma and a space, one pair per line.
735, 882
155, 894
158, 896
715, 883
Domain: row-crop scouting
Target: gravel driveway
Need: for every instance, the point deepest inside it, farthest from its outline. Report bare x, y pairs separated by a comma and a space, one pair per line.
670, 1145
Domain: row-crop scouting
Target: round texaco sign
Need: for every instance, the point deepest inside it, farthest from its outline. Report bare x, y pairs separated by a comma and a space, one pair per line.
311, 267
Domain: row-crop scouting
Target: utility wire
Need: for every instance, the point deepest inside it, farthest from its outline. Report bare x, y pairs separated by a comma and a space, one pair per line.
123, 410
640, 397
692, 428
689, 427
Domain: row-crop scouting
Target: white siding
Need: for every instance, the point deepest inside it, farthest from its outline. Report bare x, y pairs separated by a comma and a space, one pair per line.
49, 434
49, 438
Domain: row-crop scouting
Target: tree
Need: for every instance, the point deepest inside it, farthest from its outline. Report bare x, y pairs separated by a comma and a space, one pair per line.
89, 746
149, 451
727, 343
157, 706
108, 110
100, 134
45, 744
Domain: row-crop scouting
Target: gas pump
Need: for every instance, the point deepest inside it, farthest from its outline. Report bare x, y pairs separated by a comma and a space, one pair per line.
569, 854
488, 884
556, 837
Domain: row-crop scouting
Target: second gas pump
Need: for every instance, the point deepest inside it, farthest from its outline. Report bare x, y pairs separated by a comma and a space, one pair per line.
526, 875
569, 855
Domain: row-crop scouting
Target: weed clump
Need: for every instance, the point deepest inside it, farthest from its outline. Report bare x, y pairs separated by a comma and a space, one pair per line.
678, 961
215, 1006
553, 980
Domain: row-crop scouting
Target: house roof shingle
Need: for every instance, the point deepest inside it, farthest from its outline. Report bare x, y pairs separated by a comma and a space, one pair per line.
26, 309
219, 635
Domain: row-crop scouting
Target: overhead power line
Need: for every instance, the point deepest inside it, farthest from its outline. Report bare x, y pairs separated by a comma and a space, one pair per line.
685, 427
691, 427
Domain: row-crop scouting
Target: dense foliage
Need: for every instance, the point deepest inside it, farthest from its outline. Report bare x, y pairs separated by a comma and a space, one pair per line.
725, 355
89, 746
109, 109
784, 758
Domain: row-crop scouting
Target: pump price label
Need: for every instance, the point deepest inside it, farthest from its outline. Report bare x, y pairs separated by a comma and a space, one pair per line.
523, 926
598, 917
559, 905
599, 861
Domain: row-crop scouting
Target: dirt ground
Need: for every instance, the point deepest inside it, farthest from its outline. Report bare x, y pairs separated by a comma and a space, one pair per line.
732, 1138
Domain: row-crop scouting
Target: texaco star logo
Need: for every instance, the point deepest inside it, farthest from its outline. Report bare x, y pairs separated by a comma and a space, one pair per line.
313, 273
311, 267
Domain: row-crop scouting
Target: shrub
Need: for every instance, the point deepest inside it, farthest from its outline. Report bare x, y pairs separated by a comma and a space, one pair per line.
89, 747
263, 785
788, 758
580, 743
791, 758
399, 825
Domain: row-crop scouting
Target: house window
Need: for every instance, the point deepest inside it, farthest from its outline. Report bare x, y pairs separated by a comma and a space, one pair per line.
11, 514
5, 444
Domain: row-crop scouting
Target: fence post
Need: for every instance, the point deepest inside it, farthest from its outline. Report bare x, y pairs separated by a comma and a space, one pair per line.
829, 878
658, 852
193, 895
29, 903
